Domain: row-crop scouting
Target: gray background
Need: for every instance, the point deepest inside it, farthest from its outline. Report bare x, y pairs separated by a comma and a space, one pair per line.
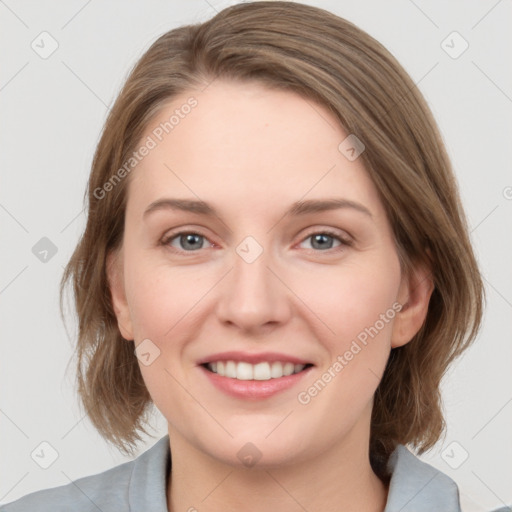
52, 114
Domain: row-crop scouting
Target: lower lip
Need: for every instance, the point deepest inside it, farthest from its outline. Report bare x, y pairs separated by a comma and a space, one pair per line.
254, 389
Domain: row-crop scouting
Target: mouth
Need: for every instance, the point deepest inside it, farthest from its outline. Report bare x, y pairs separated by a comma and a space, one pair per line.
254, 376
263, 371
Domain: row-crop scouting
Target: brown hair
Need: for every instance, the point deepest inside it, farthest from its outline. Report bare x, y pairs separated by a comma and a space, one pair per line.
326, 59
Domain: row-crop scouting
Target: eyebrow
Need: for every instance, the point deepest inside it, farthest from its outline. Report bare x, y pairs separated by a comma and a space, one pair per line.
297, 208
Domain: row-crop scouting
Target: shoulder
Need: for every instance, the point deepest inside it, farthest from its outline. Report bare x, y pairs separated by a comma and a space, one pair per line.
113, 490
85, 494
416, 486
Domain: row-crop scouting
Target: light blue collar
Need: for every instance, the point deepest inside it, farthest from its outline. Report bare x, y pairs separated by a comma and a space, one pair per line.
416, 486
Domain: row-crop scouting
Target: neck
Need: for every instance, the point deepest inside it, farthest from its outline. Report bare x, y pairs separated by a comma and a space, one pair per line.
341, 478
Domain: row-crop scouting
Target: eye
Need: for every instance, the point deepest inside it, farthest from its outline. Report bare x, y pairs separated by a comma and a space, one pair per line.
191, 241
323, 240
187, 241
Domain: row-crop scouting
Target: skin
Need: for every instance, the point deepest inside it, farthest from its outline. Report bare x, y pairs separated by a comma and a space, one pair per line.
251, 152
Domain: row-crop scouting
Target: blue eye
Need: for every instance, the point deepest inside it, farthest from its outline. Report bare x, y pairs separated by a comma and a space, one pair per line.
190, 241
323, 240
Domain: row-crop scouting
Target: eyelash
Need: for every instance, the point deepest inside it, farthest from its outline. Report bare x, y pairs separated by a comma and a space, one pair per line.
344, 242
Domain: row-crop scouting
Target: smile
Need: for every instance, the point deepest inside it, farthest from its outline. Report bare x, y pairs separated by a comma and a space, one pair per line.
242, 370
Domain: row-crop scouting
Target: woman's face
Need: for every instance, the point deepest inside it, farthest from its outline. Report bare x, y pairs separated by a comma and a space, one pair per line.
252, 236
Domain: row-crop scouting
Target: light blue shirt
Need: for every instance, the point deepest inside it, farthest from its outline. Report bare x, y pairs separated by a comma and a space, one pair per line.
140, 486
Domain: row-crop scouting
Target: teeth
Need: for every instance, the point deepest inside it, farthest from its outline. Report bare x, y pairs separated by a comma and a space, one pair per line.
230, 369
260, 371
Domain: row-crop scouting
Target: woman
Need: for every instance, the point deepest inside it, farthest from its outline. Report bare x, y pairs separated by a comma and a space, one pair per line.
275, 256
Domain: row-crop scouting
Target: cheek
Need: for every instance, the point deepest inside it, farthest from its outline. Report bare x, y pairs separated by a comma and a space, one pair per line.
346, 298
159, 296
356, 303
161, 303
350, 299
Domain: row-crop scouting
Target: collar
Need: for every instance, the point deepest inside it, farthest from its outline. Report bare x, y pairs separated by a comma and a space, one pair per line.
415, 486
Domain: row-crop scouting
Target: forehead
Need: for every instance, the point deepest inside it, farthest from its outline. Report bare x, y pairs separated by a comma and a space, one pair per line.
248, 143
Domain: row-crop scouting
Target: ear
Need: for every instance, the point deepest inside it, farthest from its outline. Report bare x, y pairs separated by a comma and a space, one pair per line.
115, 278
414, 296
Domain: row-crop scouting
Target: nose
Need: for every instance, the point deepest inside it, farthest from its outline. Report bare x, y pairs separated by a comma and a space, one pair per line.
253, 295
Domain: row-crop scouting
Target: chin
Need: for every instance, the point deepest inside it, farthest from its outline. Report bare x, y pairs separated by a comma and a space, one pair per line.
260, 448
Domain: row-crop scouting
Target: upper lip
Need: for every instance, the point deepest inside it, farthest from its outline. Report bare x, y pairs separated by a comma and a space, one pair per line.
252, 358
